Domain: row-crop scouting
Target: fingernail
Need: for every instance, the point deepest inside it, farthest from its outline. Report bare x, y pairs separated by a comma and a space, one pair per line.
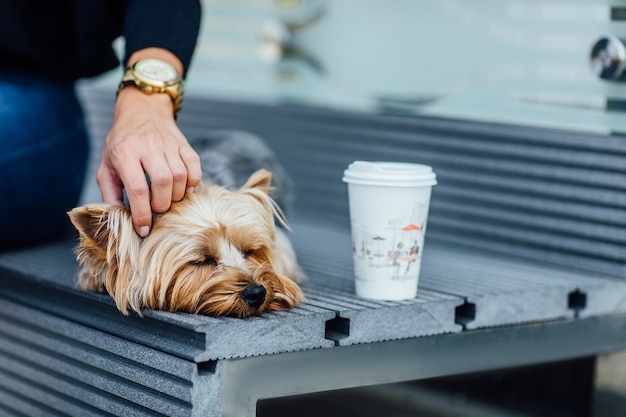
144, 231
190, 189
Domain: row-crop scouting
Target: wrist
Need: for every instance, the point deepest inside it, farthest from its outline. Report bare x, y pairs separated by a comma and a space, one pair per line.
131, 99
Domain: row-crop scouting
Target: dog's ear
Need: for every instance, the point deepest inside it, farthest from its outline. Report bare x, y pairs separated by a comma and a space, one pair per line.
105, 231
108, 245
259, 186
99, 224
260, 180
90, 221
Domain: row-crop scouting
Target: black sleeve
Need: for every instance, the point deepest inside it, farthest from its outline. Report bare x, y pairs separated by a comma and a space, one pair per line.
168, 24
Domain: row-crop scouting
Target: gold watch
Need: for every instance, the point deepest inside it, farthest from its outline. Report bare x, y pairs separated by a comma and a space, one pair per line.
153, 76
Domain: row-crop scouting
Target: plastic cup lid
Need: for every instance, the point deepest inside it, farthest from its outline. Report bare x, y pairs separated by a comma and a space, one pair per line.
390, 174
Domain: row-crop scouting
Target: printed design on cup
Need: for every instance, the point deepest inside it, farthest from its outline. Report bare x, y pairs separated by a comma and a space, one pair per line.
393, 251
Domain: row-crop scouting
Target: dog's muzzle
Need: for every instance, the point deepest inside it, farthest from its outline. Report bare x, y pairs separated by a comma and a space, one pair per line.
254, 295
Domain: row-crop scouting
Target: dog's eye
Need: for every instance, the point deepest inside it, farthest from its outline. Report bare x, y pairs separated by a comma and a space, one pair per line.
248, 252
208, 260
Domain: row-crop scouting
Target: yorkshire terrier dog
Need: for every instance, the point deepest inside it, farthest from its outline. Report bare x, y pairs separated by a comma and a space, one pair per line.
217, 252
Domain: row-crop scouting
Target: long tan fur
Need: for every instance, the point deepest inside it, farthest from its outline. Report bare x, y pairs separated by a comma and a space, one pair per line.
200, 256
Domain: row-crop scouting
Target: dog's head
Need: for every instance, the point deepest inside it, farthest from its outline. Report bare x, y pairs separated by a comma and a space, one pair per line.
214, 253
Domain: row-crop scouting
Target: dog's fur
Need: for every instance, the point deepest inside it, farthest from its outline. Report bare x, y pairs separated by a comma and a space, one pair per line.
216, 252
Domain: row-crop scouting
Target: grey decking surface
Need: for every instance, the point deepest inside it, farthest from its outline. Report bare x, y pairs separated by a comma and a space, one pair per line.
62, 349
502, 290
328, 292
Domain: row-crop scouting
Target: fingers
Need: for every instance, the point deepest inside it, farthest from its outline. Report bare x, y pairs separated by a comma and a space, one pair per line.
138, 194
131, 177
110, 187
172, 167
191, 160
161, 184
178, 175
171, 176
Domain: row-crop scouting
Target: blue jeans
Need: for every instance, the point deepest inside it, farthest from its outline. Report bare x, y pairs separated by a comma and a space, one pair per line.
43, 156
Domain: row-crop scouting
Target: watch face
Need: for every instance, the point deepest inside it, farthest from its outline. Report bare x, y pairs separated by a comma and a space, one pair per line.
156, 70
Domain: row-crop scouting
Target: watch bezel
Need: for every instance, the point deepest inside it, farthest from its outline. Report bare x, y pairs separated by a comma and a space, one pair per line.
154, 82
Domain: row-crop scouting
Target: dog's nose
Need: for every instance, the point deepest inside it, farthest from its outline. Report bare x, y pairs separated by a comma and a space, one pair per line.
254, 295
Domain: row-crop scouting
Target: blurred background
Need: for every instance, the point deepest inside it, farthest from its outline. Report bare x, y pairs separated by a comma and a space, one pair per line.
512, 61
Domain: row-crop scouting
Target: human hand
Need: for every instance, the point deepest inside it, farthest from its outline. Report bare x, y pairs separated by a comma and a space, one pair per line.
144, 139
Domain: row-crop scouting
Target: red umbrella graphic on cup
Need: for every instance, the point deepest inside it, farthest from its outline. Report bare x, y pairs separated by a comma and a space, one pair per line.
411, 228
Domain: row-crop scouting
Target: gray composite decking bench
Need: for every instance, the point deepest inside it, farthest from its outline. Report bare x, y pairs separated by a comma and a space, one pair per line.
524, 263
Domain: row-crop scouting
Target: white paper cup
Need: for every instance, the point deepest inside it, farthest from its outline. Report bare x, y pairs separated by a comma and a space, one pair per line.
389, 204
